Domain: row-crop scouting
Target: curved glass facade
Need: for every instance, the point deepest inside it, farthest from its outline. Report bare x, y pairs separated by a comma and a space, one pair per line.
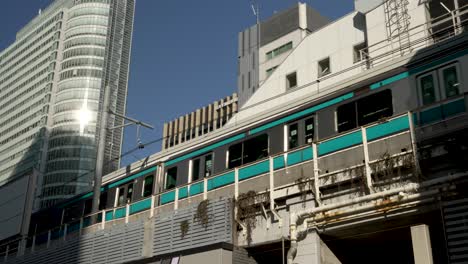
72, 144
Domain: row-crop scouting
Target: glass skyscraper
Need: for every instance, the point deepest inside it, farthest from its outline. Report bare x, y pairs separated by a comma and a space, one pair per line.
52, 81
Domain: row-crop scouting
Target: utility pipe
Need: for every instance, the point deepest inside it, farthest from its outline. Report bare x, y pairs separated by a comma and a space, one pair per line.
413, 187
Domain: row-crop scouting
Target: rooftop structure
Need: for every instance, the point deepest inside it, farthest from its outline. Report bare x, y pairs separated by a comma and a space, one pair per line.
199, 122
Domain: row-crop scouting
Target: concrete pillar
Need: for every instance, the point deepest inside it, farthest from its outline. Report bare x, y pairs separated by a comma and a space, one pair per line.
421, 240
308, 249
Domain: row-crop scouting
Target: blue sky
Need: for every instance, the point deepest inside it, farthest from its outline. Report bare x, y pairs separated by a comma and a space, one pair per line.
184, 53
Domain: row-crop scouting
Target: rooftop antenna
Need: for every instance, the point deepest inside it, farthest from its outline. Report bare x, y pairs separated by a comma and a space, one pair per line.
256, 11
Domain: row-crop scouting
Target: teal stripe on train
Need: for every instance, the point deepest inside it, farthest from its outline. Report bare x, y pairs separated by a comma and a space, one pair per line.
140, 206
120, 213
196, 188
205, 149
387, 128
278, 162
183, 192
254, 170
440, 112
340, 143
417, 70
302, 113
221, 180
109, 215
114, 184
167, 197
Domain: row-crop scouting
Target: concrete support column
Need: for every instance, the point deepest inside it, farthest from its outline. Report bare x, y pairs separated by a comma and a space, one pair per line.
308, 250
421, 241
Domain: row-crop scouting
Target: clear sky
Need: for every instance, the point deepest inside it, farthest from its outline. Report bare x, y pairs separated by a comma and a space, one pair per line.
184, 53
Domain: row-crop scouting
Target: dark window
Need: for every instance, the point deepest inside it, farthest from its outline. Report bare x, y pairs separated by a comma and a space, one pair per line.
427, 89
235, 155
129, 193
103, 201
293, 136
309, 130
208, 165
148, 186
450, 81
171, 178
291, 80
255, 148
374, 107
196, 170
364, 111
248, 151
88, 206
346, 117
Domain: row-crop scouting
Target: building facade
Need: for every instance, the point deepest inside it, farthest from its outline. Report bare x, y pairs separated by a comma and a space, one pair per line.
262, 47
52, 92
199, 122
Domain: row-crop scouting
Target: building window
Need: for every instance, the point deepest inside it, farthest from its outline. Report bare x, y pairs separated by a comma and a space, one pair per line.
171, 178
364, 111
291, 80
278, 51
148, 186
248, 151
324, 67
358, 52
102, 201
270, 71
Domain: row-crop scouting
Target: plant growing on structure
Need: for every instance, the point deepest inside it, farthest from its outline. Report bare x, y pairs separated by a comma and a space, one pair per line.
384, 168
304, 183
247, 208
184, 228
202, 213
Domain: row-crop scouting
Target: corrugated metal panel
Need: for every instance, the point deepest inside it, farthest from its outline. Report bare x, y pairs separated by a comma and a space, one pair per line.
168, 235
456, 229
118, 245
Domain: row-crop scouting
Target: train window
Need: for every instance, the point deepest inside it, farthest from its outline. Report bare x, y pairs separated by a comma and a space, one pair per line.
129, 193
309, 130
235, 155
428, 89
206, 171
171, 178
248, 151
103, 201
208, 165
148, 186
346, 117
195, 169
450, 81
88, 206
374, 107
121, 196
293, 136
364, 111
